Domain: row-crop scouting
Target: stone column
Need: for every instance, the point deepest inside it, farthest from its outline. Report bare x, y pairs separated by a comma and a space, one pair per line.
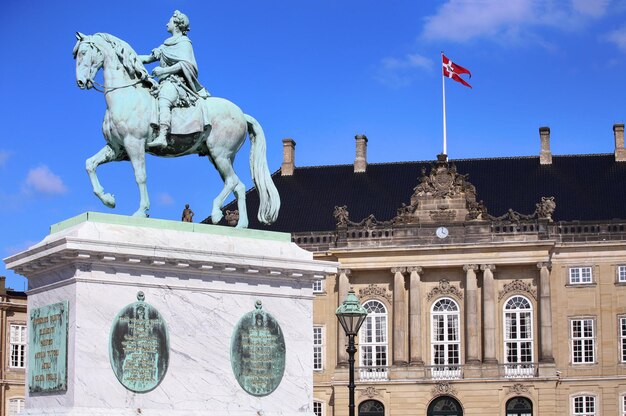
545, 313
489, 315
472, 331
400, 328
415, 316
342, 340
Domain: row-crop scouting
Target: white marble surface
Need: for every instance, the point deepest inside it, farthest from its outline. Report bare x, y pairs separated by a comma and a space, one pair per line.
99, 268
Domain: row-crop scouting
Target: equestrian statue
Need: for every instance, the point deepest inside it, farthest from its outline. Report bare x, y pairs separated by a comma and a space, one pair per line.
173, 117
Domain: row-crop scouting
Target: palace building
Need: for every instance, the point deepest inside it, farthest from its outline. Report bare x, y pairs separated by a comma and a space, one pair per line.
13, 338
494, 286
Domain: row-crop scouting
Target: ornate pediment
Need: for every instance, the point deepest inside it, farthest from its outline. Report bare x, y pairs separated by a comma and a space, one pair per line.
517, 389
369, 392
443, 388
517, 286
445, 289
375, 291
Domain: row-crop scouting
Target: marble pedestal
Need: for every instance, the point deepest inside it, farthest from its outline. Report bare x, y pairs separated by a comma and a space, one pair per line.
202, 279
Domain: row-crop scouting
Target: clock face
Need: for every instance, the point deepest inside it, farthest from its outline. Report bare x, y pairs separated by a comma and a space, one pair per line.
442, 232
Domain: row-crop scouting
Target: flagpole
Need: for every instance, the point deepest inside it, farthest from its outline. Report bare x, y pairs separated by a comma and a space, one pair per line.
443, 90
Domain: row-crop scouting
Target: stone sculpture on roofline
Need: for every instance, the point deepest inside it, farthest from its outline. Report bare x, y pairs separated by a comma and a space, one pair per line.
171, 118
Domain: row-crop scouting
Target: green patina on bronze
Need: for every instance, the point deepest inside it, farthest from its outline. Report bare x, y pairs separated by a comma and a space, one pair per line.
139, 347
257, 352
47, 355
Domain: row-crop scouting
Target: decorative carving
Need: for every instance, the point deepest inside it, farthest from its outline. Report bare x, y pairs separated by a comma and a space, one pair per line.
443, 388
400, 270
477, 211
416, 269
443, 182
517, 286
341, 215
517, 389
232, 217
375, 291
347, 272
445, 288
545, 208
443, 215
491, 267
470, 267
546, 264
369, 392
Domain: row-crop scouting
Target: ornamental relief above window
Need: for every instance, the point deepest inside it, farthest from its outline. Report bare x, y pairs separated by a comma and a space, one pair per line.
445, 288
517, 286
375, 291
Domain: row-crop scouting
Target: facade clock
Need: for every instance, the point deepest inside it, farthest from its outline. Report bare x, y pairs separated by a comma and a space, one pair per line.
442, 232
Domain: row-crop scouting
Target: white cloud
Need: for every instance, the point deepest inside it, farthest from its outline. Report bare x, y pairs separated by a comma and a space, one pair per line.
4, 156
399, 72
618, 37
164, 198
463, 20
42, 179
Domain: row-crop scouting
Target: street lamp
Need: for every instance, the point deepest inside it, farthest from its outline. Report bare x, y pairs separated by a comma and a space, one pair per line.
351, 315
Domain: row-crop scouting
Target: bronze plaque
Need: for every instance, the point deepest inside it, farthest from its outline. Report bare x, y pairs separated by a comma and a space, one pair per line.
139, 347
257, 352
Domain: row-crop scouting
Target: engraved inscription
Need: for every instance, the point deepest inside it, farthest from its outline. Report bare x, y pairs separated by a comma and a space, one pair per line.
139, 350
258, 352
47, 371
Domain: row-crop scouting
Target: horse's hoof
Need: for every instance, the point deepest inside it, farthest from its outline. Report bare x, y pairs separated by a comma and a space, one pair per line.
140, 213
242, 225
216, 217
108, 200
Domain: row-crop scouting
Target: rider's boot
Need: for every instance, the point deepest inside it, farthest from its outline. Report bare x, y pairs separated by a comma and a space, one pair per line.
165, 119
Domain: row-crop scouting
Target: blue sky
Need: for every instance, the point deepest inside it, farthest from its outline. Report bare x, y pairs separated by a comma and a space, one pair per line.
317, 71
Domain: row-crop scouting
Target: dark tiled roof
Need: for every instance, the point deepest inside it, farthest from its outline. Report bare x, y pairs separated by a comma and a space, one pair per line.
585, 187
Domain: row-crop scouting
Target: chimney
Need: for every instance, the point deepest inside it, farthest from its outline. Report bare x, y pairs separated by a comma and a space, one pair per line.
620, 152
545, 157
360, 162
289, 157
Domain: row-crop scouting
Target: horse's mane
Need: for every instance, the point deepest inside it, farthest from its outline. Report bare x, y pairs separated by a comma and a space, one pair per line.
127, 56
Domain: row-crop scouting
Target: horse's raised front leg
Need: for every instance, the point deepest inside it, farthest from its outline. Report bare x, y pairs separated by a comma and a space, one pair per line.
232, 183
135, 149
105, 155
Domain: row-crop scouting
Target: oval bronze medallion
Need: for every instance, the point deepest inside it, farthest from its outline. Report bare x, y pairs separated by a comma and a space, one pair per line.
257, 352
139, 346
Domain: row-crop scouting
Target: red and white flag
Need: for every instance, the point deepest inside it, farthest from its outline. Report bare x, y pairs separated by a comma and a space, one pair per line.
452, 70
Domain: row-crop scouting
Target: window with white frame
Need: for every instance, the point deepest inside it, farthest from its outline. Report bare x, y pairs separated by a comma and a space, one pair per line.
15, 406
580, 275
622, 400
318, 408
17, 339
518, 334
318, 347
445, 335
318, 286
622, 338
621, 274
583, 406
373, 342
583, 340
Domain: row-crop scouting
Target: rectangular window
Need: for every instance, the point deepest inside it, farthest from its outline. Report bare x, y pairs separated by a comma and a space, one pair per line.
622, 338
621, 274
583, 341
18, 346
318, 286
580, 275
318, 347
584, 406
15, 406
623, 404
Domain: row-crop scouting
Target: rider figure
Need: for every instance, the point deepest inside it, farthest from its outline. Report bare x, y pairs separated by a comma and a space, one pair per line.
178, 74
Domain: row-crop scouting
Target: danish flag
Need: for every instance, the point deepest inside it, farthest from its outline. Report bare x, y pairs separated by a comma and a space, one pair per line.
452, 70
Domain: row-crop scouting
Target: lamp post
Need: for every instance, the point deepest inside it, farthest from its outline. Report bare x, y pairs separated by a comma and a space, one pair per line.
351, 315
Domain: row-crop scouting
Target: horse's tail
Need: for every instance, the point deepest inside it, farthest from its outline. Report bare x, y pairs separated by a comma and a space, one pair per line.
268, 194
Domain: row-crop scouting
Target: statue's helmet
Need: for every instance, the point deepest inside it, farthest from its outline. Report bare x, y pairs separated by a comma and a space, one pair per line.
181, 21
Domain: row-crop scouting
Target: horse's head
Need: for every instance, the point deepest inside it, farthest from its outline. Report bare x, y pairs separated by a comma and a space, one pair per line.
89, 59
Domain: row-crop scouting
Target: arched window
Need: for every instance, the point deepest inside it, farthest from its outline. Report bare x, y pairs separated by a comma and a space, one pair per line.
318, 408
16, 406
445, 406
371, 408
445, 339
519, 406
518, 337
373, 342
584, 406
